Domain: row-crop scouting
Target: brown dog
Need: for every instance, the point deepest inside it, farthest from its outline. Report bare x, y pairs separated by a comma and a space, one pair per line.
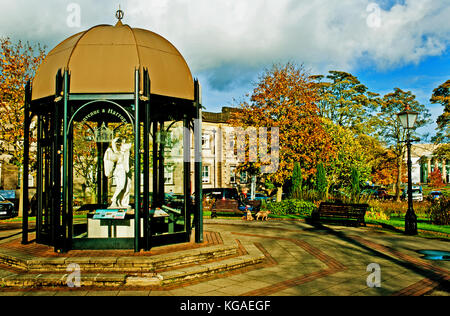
248, 217
264, 215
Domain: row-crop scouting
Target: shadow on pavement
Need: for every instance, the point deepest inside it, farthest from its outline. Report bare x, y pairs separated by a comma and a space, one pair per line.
444, 284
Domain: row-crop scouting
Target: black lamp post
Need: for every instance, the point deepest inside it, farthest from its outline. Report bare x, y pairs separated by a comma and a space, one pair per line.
408, 119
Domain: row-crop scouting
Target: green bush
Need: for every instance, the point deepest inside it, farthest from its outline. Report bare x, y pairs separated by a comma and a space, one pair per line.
439, 212
291, 207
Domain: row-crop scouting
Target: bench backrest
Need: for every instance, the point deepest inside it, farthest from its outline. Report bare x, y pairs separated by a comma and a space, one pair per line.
341, 209
226, 205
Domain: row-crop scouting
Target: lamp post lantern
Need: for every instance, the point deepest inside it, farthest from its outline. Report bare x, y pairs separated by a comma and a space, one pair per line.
408, 119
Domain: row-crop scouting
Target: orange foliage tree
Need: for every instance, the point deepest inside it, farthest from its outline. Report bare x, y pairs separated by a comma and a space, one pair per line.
18, 64
435, 179
285, 98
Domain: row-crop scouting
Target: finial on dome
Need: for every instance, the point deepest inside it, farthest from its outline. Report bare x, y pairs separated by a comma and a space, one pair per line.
119, 15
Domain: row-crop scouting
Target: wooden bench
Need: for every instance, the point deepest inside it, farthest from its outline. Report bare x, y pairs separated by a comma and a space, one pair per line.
225, 206
341, 212
232, 206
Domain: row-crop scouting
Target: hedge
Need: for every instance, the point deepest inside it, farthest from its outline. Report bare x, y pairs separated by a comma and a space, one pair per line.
291, 207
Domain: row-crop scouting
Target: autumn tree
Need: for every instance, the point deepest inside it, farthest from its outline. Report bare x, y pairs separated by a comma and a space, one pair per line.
435, 179
390, 129
85, 158
88, 153
285, 98
441, 95
345, 101
380, 160
18, 65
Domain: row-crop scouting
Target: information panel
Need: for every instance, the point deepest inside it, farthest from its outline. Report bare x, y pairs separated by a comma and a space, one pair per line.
110, 214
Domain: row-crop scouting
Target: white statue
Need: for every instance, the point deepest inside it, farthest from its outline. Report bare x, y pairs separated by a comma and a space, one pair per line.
117, 165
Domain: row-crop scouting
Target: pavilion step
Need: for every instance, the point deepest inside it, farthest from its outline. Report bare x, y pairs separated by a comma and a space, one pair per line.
136, 264
111, 280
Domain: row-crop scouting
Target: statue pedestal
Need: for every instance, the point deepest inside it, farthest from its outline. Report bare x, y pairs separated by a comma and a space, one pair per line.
112, 228
124, 228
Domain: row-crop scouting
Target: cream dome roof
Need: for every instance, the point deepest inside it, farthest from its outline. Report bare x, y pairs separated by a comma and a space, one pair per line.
103, 60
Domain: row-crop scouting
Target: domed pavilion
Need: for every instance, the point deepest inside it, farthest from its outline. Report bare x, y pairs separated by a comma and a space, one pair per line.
115, 106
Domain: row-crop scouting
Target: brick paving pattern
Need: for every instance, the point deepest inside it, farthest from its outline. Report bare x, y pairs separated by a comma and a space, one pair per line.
289, 259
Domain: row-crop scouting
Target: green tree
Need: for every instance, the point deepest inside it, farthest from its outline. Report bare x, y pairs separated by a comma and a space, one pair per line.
346, 101
443, 152
355, 176
297, 181
321, 181
390, 130
349, 154
441, 95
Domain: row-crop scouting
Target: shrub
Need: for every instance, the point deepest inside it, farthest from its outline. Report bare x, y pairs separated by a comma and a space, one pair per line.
377, 214
291, 207
439, 212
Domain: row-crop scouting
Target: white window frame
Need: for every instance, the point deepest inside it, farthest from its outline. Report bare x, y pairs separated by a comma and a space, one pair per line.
233, 174
206, 141
169, 175
243, 177
206, 170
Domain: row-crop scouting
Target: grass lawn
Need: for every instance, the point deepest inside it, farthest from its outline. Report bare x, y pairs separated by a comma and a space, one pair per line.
396, 223
422, 224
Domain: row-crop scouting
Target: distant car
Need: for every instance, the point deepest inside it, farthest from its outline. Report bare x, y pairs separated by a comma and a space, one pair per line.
175, 201
274, 197
7, 209
221, 194
435, 195
260, 197
382, 194
417, 194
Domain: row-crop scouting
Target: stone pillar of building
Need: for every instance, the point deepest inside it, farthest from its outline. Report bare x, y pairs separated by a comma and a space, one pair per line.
428, 168
444, 170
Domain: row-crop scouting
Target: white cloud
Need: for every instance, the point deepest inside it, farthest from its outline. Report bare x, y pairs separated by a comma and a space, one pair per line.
322, 34
251, 34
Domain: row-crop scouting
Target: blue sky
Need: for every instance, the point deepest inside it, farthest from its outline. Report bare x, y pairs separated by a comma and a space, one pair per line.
228, 43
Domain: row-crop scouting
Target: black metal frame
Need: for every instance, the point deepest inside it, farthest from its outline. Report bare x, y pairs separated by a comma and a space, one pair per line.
146, 112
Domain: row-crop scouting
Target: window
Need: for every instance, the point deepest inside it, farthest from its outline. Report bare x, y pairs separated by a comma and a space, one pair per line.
244, 178
233, 174
206, 141
168, 175
168, 140
205, 174
232, 148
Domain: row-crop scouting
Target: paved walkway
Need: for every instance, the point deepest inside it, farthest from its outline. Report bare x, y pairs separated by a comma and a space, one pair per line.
302, 260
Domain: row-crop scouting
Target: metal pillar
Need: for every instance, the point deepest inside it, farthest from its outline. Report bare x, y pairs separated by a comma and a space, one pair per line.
26, 160
155, 196
137, 163
39, 178
146, 207
65, 184
198, 166
187, 174
161, 166
70, 188
55, 179
410, 218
